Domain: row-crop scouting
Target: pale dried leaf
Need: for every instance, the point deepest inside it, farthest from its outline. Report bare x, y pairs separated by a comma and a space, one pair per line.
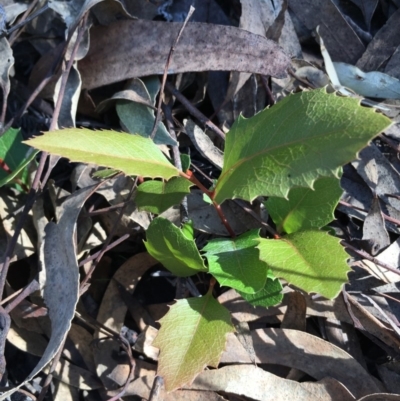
374, 230
61, 276
252, 382
312, 355
113, 310
204, 144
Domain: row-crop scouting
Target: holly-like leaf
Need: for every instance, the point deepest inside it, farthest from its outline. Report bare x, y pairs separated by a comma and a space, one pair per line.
306, 208
302, 138
179, 254
158, 196
311, 260
270, 295
131, 154
14, 155
236, 262
192, 336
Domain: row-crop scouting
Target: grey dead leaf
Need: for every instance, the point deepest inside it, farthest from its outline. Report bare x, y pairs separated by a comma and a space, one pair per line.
374, 229
373, 325
250, 20
70, 99
368, 8
252, 382
6, 64
110, 59
10, 205
368, 84
204, 144
112, 314
341, 41
60, 278
390, 379
344, 336
205, 217
382, 46
13, 10
312, 355
379, 174
295, 315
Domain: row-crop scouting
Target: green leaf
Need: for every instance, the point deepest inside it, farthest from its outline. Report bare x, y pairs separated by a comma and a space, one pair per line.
20, 169
303, 137
179, 254
185, 161
132, 154
138, 118
311, 260
270, 295
236, 262
105, 173
306, 208
192, 336
15, 156
188, 229
158, 196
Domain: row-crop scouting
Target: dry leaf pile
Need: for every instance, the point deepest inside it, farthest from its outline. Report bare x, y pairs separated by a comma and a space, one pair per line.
98, 64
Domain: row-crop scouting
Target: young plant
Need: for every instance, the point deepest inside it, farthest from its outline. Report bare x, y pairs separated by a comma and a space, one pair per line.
291, 153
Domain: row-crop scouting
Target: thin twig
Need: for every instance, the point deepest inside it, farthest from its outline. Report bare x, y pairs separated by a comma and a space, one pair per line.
109, 247
20, 295
24, 20
164, 78
194, 111
385, 216
371, 258
83, 284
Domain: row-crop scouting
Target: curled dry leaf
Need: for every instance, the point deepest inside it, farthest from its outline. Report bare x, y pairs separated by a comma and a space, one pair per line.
112, 314
251, 381
60, 277
314, 356
147, 43
204, 144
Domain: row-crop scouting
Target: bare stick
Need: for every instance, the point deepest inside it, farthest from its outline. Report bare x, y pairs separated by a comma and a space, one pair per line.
194, 111
164, 78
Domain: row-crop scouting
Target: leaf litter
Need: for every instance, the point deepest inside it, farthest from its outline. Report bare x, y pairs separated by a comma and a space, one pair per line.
322, 345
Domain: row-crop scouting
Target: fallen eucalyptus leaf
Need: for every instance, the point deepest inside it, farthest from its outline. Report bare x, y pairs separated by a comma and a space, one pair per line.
111, 60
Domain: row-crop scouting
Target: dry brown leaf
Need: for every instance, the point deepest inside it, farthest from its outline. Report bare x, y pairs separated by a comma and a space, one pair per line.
341, 41
112, 314
374, 230
6, 63
257, 384
60, 276
312, 355
204, 144
9, 217
382, 46
146, 44
295, 315
205, 217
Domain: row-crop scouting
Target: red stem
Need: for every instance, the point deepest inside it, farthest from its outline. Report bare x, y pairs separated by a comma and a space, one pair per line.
191, 177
